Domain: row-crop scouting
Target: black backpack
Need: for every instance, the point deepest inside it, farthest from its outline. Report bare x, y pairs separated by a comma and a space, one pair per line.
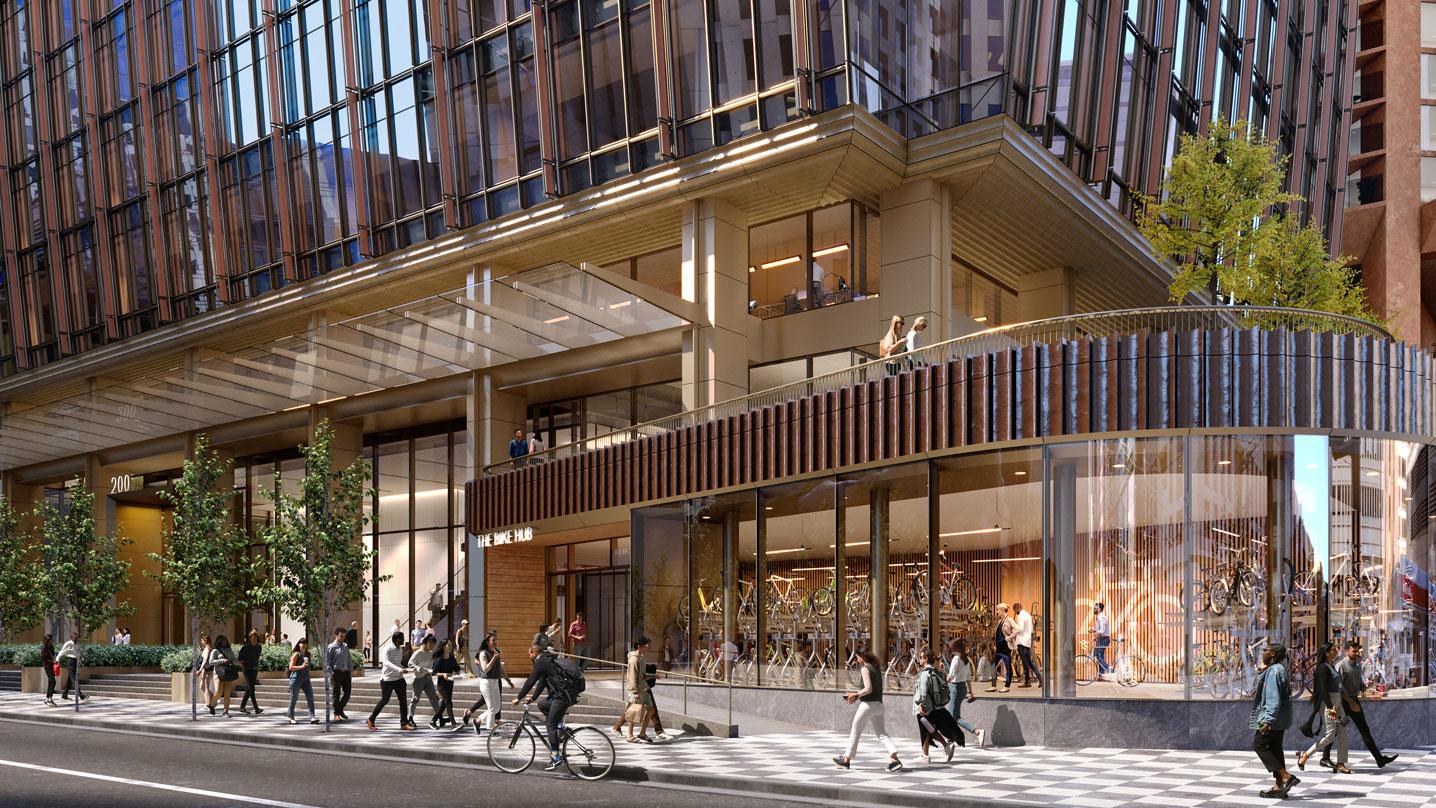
567, 678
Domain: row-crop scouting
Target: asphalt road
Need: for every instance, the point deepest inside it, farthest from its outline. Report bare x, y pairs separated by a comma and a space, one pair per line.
119, 770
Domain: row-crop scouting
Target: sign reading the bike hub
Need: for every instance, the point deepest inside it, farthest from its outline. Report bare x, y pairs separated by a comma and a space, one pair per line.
517, 535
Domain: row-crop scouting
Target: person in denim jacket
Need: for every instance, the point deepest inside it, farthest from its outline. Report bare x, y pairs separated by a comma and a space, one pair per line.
1271, 717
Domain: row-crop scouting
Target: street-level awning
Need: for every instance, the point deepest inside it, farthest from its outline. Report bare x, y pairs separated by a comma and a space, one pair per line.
485, 324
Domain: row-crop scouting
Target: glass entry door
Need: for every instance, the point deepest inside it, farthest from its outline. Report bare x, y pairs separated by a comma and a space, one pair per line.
603, 597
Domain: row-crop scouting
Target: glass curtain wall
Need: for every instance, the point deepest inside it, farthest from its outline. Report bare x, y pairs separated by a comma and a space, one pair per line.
1147, 568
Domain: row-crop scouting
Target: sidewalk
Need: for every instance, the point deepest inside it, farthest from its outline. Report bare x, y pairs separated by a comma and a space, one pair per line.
798, 764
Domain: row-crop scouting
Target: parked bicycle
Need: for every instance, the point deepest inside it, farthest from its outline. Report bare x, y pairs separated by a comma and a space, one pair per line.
586, 751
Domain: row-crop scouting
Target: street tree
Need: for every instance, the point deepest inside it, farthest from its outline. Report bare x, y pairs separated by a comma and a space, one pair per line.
1223, 216
205, 561
86, 574
22, 576
319, 565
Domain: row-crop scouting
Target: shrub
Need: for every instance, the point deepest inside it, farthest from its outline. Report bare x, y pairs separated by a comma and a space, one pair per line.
181, 661
106, 656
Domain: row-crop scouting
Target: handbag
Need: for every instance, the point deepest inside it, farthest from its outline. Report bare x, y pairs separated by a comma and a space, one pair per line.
633, 713
55, 666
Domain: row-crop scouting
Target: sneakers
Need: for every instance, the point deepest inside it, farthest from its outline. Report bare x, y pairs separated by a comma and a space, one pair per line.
949, 749
257, 711
244, 710
314, 721
1004, 690
663, 737
461, 726
292, 721
50, 703
553, 764
981, 738
842, 762
894, 765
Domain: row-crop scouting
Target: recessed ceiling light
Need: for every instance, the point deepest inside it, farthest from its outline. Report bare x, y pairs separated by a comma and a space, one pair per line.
1020, 473
1119, 465
1224, 462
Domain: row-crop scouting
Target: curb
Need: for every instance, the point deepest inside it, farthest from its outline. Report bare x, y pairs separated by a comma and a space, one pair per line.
825, 792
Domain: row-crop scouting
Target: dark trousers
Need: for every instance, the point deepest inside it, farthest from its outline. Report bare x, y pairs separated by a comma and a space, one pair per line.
1028, 669
343, 685
1359, 719
72, 681
251, 680
943, 724
553, 708
49, 682
446, 701
388, 689
1099, 652
1004, 662
1267, 746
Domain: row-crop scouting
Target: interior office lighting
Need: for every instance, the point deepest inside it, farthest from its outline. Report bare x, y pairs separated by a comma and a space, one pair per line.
781, 262
830, 251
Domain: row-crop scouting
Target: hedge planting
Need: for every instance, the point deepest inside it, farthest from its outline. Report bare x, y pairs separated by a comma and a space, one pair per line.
95, 656
271, 658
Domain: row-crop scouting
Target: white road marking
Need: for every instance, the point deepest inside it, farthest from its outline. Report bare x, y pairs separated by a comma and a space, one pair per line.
197, 792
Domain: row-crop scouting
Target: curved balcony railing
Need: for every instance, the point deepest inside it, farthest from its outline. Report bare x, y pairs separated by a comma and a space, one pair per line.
1018, 335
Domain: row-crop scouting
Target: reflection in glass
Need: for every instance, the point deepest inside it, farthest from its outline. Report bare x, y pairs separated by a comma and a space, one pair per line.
793, 601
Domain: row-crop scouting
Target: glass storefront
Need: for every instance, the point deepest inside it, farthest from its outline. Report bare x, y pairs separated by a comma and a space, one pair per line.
1196, 551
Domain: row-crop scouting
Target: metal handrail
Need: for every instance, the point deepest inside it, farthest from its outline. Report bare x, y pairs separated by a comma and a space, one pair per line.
659, 672
1019, 335
404, 626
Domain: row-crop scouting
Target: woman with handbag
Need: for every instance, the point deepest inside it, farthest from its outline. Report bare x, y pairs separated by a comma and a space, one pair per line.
635, 686
52, 669
222, 660
204, 669
1326, 700
299, 679
491, 673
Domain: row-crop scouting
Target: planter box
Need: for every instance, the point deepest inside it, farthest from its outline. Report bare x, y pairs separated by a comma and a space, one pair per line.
180, 682
32, 680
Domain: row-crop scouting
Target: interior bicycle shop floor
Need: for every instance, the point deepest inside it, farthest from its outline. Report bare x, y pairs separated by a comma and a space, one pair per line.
798, 763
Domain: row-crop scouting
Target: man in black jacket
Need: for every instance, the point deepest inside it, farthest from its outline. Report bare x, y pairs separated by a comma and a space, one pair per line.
545, 676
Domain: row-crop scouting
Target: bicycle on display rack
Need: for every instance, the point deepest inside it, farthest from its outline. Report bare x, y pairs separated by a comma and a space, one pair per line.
1357, 585
710, 603
1233, 582
586, 751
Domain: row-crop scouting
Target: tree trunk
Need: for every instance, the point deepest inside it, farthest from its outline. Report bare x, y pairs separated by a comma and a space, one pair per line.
198, 664
324, 665
79, 644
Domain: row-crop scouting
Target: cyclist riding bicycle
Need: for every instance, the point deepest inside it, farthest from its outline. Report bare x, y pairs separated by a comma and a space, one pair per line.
564, 682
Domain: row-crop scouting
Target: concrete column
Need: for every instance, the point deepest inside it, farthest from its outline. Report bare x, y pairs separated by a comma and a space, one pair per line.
492, 418
916, 227
730, 588
715, 275
878, 537
1046, 294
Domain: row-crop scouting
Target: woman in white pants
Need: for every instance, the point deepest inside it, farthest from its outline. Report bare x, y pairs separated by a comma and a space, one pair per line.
1326, 697
870, 712
491, 672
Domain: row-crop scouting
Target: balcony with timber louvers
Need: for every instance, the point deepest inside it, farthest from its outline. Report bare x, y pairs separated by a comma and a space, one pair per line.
1190, 368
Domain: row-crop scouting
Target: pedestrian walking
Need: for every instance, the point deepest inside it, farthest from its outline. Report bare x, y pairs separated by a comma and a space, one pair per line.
541, 638
1102, 637
635, 684
69, 658
1001, 653
959, 686
369, 646
461, 648
446, 667
650, 675
226, 673
1271, 717
491, 673
299, 661
578, 639
47, 661
1353, 684
204, 668
249, 654
929, 694
869, 698
422, 663
339, 665
391, 683
1023, 638
1326, 703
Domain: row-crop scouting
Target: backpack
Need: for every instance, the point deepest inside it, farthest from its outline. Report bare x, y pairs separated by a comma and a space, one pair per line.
567, 678
936, 688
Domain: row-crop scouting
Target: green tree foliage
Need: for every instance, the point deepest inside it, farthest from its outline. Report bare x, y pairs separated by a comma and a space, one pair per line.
86, 573
319, 564
22, 576
205, 560
1222, 217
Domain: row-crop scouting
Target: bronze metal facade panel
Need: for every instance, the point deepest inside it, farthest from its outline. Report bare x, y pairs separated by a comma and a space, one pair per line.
1273, 379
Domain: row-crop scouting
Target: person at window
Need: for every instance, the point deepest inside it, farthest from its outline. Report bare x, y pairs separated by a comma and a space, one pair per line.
536, 447
1326, 702
1102, 633
546, 676
1023, 638
1270, 717
518, 448
1353, 684
340, 667
869, 699
578, 638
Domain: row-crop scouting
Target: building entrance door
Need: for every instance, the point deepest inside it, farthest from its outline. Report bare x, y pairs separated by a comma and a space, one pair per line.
603, 597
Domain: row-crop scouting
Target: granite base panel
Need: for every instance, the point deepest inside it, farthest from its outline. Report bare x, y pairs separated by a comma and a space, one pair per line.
1070, 723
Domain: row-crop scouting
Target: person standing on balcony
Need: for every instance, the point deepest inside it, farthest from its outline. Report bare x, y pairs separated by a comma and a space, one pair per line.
914, 339
578, 639
518, 449
341, 672
1023, 636
536, 447
893, 342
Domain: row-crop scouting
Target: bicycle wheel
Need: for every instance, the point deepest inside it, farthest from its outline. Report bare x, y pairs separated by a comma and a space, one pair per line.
1221, 593
963, 595
1087, 669
1247, 586
588, 753
511, 747
823, 602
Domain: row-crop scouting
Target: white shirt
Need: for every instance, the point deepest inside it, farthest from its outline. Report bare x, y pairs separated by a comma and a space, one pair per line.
125, 640
1024, 629
914, 339
1103, 628
958, 671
